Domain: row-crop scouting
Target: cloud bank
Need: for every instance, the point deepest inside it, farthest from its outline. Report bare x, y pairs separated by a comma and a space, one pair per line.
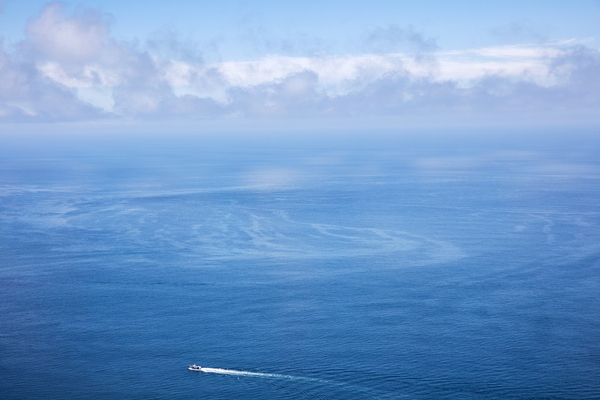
70, 68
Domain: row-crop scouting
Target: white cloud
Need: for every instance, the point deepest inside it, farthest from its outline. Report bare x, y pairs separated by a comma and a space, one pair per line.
340, 75
77, 39
70, 67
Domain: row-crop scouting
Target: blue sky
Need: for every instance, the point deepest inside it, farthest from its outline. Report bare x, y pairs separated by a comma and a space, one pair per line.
405, 63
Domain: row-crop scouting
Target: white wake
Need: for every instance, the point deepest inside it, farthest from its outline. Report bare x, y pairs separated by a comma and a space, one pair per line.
344, 386
223, 371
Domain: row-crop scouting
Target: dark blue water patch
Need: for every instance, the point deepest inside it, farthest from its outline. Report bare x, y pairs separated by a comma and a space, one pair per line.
492, 333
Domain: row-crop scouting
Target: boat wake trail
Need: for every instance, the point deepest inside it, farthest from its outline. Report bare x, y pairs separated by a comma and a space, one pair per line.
320, 383
257, 374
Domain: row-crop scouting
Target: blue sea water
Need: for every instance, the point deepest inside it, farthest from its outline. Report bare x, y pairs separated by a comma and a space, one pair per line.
434, 266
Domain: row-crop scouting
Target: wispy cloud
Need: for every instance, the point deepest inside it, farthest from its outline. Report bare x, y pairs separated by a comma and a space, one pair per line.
69, 67
394, 38
520, 31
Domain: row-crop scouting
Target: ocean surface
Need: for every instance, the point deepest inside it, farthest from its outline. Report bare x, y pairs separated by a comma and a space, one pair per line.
430, 266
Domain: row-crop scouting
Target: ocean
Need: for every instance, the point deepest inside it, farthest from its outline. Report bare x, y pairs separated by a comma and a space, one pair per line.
320, 266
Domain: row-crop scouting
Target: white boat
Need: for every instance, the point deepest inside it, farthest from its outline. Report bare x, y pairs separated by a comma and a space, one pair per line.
195, 367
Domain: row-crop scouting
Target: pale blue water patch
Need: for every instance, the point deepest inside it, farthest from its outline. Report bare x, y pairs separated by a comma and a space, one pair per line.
374, 269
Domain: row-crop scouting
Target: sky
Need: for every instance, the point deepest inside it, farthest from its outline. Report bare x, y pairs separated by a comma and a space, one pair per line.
201, 65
